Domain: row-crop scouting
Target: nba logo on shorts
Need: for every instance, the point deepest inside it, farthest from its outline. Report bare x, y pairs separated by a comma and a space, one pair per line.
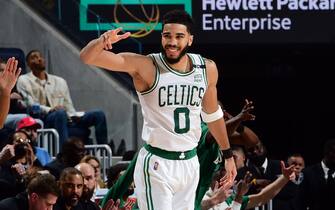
156, 166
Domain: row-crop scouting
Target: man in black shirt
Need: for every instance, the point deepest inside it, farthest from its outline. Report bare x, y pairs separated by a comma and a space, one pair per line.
42, 193
71, 186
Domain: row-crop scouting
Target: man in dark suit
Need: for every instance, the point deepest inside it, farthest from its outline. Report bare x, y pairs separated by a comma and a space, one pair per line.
317, 190
286, 197
263, 169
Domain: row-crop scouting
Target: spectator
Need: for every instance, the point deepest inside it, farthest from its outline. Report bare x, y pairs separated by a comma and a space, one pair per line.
72, 152
95, 163
317, 190
71, 186
20, 159
30, 126
41, 194
299, 164
89, 181
263, 169
51, 95
239, 156
285, 199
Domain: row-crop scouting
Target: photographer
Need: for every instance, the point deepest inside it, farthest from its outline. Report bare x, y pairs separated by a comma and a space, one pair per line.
18, 159
30, 125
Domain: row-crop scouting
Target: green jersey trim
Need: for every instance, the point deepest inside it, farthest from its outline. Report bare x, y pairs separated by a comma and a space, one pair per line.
175, 71
171, 155
147, 181
156, 79
204, 72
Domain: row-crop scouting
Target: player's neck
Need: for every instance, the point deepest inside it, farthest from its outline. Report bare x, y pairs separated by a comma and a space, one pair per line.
183, 65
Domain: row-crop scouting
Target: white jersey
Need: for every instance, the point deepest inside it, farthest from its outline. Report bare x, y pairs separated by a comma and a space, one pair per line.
171, 107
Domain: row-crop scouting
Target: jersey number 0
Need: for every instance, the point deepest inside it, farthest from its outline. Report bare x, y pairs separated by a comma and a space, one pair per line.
178, 113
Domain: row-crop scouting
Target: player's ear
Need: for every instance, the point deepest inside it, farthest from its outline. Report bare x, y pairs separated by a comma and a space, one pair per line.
190, 40
33, 196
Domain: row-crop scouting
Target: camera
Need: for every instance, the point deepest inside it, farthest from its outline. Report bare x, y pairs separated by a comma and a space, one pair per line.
20, 150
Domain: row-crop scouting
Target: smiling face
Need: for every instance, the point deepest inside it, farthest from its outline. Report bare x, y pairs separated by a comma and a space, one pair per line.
175, 41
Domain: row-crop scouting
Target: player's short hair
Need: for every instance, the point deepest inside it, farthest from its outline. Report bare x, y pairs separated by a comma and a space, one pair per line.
43, 184
180, 17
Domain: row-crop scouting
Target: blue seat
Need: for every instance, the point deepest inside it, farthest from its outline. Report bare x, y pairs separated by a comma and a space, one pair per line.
6, 53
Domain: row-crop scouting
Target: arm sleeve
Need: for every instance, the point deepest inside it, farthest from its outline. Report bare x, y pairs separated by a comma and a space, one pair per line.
122, 184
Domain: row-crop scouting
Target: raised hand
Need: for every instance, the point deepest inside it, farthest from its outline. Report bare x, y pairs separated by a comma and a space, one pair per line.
221, 193
244, 184
112, 36
245, 112
7, 153
288, 172
9, 76
19, 169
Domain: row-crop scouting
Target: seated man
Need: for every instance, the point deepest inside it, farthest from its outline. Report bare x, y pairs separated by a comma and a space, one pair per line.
48, 96
42, 193
71, 186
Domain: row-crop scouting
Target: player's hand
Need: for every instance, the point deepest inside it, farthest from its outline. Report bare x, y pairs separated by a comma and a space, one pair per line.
112, 36
9, 76
230, 170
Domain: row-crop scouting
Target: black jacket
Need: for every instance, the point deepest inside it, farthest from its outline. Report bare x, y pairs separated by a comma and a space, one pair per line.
19, 202
314, 192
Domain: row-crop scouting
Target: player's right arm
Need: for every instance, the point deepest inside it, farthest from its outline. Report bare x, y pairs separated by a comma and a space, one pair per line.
97, 52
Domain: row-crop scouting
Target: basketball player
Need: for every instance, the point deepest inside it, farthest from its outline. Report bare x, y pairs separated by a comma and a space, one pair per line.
174, 88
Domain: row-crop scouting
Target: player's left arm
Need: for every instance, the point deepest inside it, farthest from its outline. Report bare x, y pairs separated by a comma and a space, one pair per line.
213, 116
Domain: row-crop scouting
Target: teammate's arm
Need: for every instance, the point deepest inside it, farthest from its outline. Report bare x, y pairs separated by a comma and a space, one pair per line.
272, 189
217, 127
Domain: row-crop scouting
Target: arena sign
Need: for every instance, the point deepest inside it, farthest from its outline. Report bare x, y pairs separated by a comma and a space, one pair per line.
221, 21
